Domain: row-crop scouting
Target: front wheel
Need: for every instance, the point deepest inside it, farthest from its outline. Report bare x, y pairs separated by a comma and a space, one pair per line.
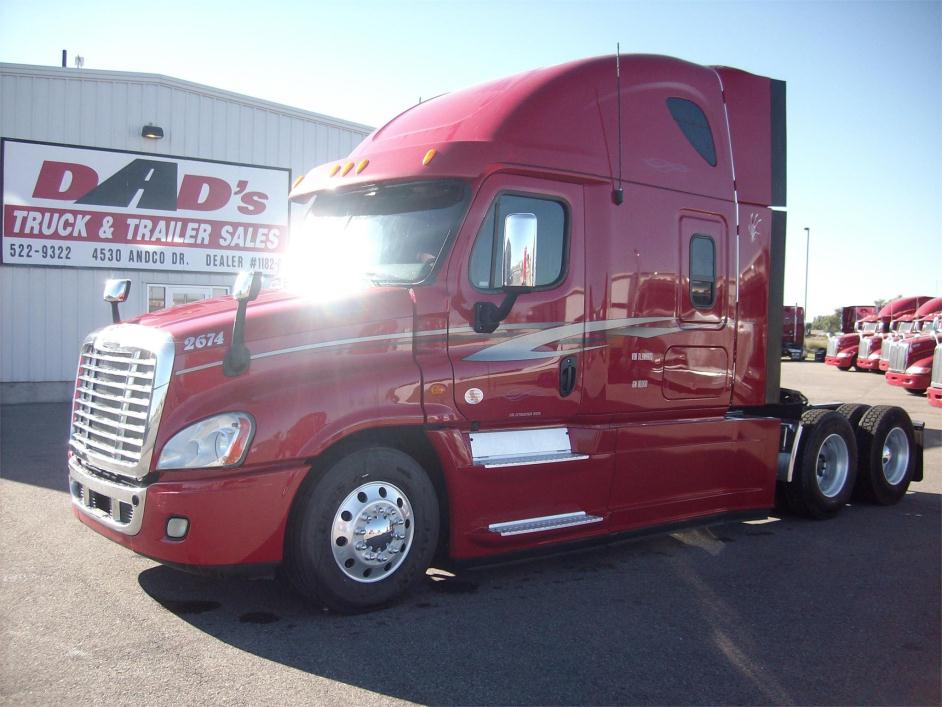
364, 532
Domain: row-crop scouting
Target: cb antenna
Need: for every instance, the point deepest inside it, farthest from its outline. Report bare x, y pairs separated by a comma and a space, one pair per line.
618, 194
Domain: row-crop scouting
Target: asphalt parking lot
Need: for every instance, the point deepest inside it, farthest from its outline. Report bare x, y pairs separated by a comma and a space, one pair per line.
782, 611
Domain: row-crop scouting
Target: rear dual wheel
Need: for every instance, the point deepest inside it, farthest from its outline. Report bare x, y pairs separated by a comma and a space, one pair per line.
826, 465
887, 450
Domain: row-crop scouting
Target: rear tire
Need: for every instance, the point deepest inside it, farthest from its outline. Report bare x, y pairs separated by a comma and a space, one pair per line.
364, 532
826, 467
853, 412
887, 448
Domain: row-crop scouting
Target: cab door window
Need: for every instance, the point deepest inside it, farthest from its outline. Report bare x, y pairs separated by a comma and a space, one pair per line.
486, 255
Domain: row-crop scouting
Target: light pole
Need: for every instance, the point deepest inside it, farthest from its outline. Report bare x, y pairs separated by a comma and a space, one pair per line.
807, 247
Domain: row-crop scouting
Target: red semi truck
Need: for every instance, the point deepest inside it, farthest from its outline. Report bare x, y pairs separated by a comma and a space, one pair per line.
900, 314
544, 313
910, 357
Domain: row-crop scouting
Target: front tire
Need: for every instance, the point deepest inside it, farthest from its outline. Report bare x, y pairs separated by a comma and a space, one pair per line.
826, 467
887, 447
364, 532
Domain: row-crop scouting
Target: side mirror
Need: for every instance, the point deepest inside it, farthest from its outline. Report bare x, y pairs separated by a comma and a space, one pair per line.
238, 357
519, 255
116, 291
247, 286
518, 270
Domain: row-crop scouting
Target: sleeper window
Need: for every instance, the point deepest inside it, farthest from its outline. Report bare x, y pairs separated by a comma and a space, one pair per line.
695, 127
702, 271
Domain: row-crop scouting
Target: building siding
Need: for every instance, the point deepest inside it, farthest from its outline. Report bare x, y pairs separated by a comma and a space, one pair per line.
45, 312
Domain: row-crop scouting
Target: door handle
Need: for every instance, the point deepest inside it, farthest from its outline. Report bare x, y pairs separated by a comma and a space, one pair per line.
567, 375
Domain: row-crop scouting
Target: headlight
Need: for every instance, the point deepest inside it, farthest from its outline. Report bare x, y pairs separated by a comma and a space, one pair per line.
918, 370
217, 441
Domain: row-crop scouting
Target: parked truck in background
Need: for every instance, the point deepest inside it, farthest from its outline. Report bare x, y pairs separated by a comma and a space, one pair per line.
853, 314
910, 357
512, 330
909, 325
793, 332
935, 383
900, 313
842, 348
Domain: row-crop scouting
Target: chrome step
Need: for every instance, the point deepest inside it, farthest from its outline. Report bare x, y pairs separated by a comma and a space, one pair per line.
524, 459
536, 525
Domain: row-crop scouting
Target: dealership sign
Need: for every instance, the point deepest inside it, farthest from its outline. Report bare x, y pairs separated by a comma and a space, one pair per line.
79, 207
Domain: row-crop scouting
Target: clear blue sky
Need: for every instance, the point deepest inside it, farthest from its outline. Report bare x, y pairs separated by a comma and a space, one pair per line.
864, 89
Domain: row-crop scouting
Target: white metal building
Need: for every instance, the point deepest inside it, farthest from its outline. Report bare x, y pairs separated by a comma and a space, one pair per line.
63, 131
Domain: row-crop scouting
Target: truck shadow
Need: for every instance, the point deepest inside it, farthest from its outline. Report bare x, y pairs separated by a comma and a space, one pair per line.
34, 440
735, 613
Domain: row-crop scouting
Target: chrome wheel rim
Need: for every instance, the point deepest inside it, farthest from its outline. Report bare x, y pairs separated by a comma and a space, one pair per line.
832, 466
895, 456
372, 532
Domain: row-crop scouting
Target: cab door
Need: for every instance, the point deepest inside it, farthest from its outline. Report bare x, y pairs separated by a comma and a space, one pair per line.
529, 369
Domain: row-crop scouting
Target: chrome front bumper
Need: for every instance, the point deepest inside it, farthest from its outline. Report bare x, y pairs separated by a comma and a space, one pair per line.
117, 506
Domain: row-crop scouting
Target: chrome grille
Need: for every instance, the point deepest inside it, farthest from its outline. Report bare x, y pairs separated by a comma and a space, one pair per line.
937, 366
865, 346
899, 352
832, 346
113, 392
885, 351
120, 386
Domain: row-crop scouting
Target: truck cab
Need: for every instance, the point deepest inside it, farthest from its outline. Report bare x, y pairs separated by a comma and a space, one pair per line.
896, 314
910, 357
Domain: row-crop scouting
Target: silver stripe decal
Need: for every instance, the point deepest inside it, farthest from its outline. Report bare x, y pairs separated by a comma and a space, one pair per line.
521, 348
325, 344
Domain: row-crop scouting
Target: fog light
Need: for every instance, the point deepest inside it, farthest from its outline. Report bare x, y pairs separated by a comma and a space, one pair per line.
177, 527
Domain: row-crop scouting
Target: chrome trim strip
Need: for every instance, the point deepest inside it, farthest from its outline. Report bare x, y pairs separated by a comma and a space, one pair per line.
116, 492
732, 166
529, 460
537, 525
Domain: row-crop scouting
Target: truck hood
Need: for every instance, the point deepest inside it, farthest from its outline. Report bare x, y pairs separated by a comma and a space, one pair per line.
202, 330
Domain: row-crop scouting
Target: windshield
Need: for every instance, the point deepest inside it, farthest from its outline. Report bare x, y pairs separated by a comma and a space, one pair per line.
905, 327
387, 233
869, 326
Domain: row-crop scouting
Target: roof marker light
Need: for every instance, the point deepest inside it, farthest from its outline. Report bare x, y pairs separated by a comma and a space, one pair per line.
361, 165
429, 156
346, 169
334, 170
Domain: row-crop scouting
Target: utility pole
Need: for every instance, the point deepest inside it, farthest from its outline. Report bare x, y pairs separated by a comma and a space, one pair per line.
807, 249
